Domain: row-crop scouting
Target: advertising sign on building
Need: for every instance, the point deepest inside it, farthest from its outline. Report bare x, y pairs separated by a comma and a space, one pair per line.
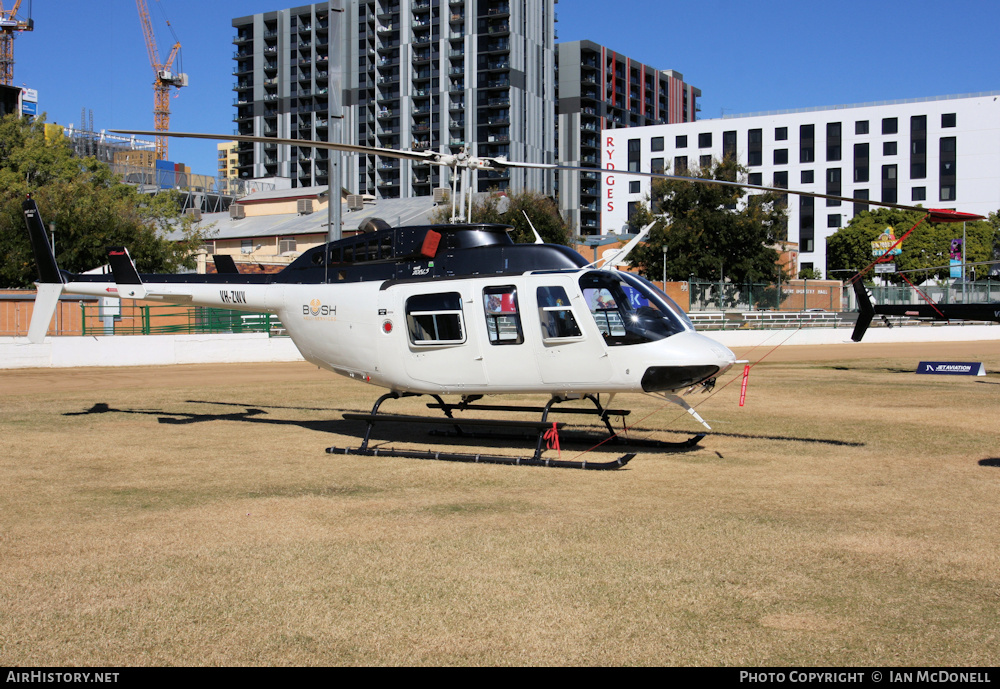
609, 179
884, 242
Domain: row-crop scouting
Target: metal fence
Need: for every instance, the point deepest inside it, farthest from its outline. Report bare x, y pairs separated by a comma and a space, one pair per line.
979, 292
169, 319
727, 296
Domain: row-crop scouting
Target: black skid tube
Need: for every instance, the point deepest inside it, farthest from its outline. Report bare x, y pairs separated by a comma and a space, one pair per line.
484, 459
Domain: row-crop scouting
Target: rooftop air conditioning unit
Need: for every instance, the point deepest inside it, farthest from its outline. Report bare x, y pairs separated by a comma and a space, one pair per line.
194, 213
304, 206
237, 212
355, 202
441, 194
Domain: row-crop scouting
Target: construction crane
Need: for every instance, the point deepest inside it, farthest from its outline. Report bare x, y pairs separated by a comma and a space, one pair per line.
9, 24
163, 78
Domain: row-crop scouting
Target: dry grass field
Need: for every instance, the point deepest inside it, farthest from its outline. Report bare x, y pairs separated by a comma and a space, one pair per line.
847, 515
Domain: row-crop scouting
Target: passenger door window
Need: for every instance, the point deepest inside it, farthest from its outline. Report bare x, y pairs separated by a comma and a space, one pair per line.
503, 320
435, 319
556, 315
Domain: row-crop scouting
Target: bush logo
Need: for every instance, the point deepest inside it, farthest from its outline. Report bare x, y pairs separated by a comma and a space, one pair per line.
318, 310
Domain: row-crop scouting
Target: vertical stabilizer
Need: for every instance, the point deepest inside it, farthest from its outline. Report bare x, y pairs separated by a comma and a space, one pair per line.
865, 309
50, 281
46, 303
48, 271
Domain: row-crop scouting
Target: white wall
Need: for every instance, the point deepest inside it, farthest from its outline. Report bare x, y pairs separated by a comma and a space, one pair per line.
145, 350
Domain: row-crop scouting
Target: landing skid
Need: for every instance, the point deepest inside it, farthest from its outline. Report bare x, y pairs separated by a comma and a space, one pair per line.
540, 431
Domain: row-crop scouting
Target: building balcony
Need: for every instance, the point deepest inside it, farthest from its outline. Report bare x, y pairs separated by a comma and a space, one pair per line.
494, 84
498, 10
386, 13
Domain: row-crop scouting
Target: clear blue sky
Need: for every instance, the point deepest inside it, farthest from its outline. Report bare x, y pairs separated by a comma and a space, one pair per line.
744, 56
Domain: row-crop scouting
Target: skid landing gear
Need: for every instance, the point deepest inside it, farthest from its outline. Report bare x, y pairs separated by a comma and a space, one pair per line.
541, 431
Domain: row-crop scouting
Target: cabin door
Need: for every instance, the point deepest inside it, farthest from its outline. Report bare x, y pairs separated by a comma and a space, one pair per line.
568, 349
434, 345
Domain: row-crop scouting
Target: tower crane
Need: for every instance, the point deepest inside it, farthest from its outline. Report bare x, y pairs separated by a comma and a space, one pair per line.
163, 78
9, 24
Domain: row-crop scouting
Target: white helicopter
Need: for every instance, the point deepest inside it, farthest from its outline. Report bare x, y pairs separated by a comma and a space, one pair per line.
447, 310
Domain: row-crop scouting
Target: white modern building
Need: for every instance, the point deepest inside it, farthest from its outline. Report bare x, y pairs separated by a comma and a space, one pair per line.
935, 152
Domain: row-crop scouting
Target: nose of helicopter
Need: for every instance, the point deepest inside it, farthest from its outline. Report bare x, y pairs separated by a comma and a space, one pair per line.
693, 358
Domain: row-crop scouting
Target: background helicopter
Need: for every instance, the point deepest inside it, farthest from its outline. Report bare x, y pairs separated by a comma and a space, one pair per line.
448, 310
927, 310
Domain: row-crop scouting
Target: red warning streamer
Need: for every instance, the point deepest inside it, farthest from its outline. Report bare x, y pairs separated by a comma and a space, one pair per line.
743, 386
552, 439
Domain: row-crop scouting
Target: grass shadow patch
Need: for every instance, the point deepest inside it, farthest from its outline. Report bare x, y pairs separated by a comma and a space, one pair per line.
319, 492
470, 508
143, 499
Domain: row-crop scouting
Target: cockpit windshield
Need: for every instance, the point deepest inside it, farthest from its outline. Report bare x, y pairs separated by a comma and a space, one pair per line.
629, 310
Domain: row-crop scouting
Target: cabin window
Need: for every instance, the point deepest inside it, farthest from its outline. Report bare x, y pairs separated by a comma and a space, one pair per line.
555, 314
503, 319
629, 309
435, 319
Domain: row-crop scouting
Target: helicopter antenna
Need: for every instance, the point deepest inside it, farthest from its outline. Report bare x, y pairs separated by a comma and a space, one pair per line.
625, 250
538, 237
468, 191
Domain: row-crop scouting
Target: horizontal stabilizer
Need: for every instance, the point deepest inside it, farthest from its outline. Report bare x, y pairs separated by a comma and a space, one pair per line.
224, 264
126, 276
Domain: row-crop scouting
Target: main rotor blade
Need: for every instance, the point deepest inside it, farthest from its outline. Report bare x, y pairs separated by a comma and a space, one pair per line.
740, 185
304, 143
456, 160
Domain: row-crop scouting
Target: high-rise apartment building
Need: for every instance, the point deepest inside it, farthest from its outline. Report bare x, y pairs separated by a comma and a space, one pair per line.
228, 171
601, 89
410, 74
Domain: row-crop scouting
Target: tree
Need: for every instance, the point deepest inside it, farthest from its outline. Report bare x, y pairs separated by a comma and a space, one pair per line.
712, 230
849, 248
542, 210
90, 207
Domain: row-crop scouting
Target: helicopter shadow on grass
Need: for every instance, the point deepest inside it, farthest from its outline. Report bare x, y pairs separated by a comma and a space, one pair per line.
384, 434
409, 432
248, 414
